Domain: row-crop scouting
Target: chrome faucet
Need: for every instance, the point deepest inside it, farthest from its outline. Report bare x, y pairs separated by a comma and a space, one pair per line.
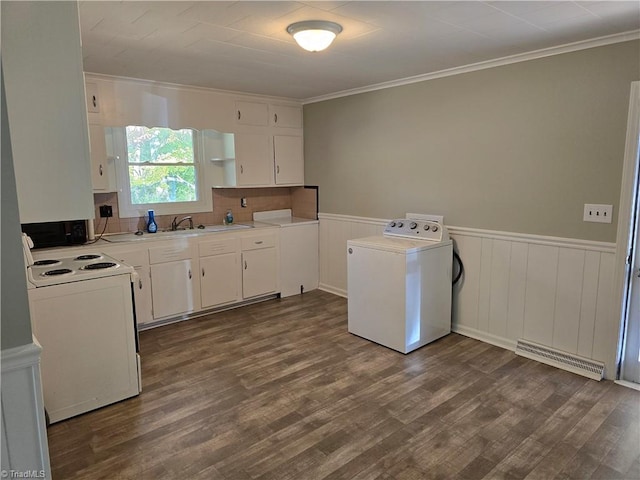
175, 223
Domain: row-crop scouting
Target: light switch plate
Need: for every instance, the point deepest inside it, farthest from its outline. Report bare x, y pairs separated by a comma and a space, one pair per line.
599, 213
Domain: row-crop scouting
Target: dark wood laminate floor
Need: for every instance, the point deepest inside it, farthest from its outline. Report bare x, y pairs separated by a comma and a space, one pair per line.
280, 390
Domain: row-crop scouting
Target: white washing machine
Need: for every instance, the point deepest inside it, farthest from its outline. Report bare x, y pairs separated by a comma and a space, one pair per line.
399, 284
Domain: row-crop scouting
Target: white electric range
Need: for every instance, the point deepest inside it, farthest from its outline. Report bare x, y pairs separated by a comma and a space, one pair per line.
83, 316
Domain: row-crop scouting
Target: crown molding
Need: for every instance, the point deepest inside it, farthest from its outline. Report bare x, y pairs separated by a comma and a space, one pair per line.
498, 62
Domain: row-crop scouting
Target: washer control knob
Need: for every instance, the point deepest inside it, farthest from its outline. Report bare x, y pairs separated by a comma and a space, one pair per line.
392, 224
434, 228
426, 228
400, 224
413, 225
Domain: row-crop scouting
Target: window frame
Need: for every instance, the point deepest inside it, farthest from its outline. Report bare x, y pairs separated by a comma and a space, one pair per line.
127, 209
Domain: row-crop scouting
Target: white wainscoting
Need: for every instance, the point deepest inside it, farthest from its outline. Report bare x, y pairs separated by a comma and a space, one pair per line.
552, 291
25, 451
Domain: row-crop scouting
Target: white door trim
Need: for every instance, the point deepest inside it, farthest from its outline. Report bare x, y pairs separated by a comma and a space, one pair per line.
627, 193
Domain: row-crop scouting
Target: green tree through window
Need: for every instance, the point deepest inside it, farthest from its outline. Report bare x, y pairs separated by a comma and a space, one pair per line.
161, 165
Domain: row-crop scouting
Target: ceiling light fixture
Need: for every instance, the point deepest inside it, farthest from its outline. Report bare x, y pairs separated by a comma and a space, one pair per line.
314, 35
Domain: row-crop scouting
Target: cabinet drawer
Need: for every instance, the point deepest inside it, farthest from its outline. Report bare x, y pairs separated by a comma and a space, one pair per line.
169, 253
135, 258
255, 242
217, 247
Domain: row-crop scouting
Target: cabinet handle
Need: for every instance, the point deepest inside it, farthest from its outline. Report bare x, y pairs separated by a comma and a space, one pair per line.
275, 118
278, 169
140, 284
245, 264
94, 100
259, 242
239, 115
189, 274
203, 272
241, 169
100, 169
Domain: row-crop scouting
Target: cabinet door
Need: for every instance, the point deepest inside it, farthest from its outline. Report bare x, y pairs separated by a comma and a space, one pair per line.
172, 288
253, 159
142, 296
252, 113
98, 146
298, 259
219, 279
289, 160
139, 259
91, 92
285, 116
259, 272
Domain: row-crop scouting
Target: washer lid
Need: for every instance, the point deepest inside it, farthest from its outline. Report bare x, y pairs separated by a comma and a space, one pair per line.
395, 244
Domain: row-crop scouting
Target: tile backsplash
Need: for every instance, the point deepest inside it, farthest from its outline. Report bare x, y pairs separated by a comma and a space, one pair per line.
302, 201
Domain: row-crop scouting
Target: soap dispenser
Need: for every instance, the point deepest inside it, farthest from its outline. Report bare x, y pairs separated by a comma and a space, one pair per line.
152, 226
228, 218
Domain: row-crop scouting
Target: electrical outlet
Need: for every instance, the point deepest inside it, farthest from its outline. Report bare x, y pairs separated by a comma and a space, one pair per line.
243, 202
106, 211
597, 213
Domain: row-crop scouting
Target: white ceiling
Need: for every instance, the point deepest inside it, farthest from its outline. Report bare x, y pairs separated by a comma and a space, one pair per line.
243, 46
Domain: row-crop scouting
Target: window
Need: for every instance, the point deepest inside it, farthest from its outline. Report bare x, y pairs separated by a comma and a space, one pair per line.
159, 168
161, 165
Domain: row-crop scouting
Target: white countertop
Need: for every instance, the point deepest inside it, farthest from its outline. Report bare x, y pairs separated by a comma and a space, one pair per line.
281, 218
113, 239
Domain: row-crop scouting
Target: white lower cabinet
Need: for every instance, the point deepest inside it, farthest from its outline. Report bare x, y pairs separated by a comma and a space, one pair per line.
219, 272
259, 265
142, 295
299, 270
173, 280
138, 259
183, 276
218, 284
172, 288
259, 274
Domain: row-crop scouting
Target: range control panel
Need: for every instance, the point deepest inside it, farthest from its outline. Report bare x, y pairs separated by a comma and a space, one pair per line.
417, 229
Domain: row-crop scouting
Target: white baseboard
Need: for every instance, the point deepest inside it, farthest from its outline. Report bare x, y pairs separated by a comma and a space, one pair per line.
336, 291
485, 337
625, 383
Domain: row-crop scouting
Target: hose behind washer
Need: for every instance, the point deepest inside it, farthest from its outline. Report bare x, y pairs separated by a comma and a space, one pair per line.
460, 267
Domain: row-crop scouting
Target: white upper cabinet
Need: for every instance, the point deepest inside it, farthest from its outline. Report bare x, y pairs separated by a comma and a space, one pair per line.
252, 113
268, 147
288, 159
253, 162
42, 65
103, 177
285, 116
91, 93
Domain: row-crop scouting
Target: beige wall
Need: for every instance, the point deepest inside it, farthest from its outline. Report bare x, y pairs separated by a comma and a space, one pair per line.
518, 148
